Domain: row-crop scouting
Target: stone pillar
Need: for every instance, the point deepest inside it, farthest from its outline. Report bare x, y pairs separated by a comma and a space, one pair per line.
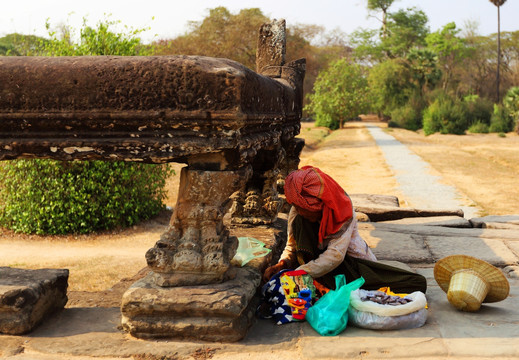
197, 248
271, 46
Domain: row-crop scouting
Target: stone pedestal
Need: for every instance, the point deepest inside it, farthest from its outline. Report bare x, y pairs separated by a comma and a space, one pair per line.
197, 248
216, 312
28, 296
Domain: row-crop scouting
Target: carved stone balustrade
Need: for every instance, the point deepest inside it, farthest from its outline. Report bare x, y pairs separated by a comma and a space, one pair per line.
233, 127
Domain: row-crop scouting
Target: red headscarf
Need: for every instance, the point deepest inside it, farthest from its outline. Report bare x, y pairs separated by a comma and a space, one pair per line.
311, 189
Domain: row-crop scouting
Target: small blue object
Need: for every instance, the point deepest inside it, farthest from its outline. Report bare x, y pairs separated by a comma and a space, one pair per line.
306, 294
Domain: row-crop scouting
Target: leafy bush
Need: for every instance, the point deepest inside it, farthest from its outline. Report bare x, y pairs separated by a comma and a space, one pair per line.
501, 120
446, 116
478, 128
55, 197
409, 116
478, 110
406, 117
511, 104
390, 85
52, 197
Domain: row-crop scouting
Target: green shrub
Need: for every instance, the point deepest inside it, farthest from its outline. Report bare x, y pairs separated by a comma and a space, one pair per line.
511, 104
501, 121
326, 120
55, 197
446, 116
478, 110
52, 197
409, 116
340, 93
478, 128
406, 117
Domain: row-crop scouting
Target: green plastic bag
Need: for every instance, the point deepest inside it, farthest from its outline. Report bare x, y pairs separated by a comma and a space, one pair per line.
248, 249
329, 315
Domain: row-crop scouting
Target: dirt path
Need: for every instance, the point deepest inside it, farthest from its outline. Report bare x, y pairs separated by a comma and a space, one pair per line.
351, 157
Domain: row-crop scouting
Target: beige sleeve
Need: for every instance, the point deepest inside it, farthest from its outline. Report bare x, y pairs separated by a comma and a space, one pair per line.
333, 255
289, 253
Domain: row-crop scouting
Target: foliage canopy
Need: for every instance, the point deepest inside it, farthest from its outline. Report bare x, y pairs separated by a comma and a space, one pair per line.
340, 93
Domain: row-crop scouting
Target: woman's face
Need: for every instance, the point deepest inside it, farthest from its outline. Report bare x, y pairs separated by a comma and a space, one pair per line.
313, 216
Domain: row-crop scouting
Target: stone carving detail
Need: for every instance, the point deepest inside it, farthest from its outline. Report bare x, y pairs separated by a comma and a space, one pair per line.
258, 206
197, 248
258, 202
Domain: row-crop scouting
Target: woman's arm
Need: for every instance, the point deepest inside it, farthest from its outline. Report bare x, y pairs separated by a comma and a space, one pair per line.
289, 253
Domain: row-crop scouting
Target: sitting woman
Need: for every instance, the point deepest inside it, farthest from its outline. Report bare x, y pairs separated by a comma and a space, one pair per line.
324, 241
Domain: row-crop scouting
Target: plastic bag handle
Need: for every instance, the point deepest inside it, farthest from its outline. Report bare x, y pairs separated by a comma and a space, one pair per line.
340, 281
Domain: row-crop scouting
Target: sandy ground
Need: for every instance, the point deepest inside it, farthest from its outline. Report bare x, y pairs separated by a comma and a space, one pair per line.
484, 167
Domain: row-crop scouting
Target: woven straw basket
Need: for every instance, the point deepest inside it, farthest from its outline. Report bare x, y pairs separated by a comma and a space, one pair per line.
469, 281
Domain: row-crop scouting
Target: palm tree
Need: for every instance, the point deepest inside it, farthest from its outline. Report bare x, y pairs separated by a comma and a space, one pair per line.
498, 3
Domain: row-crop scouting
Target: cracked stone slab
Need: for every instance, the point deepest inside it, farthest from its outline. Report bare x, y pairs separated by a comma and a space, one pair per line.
514, 246
28, 296
497, 222
493, 251
447, 221
500, 234
387, 245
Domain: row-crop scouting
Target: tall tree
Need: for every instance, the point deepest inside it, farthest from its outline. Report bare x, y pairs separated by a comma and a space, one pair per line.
340, 93
382, 5
498, 4
450, 49
405, 29
220, 34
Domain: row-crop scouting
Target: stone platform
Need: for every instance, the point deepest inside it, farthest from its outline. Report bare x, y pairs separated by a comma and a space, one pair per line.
28, 296
215, 312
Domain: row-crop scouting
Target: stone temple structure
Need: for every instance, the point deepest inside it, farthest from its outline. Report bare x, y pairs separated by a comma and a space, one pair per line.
234, 129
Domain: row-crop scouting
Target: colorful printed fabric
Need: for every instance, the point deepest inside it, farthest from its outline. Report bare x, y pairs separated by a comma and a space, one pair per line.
274, 299
282, 295
311, 189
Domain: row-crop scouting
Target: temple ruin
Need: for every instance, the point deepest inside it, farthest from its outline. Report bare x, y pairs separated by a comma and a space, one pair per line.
234, 129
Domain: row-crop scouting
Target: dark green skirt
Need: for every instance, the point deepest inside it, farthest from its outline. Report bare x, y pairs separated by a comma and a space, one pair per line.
375, 274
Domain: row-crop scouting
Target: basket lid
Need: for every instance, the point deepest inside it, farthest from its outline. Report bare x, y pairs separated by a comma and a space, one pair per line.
444, 269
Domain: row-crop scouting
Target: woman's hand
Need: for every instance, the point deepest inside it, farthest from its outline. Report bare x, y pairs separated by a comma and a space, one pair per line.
274, 269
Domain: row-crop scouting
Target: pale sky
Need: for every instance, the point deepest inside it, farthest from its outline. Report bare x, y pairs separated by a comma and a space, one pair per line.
171, 17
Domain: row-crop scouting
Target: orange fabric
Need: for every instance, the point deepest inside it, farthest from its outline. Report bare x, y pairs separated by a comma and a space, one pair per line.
311, 189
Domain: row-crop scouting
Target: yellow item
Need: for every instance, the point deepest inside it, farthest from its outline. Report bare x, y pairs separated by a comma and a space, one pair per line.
388, 291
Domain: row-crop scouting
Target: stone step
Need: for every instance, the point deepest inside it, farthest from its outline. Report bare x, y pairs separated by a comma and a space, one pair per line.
28, 296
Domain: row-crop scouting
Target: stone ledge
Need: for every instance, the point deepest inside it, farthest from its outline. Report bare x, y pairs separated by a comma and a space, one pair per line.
28, 296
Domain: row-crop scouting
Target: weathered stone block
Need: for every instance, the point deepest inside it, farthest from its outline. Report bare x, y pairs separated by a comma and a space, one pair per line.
215, 312
28, 296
